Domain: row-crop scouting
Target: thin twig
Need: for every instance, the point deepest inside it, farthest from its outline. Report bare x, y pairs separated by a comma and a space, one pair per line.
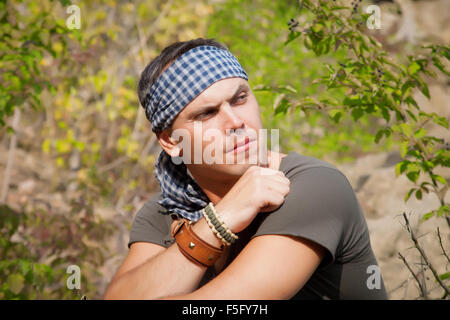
440, 243
405, 293
427, 261
424, 283
151, 141
10, 160
113, 164
422, 291
153, 28
398, 287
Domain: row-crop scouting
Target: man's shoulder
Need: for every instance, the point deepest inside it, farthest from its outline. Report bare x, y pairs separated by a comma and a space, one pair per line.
294, 164
154, 198
152, 211
318, 183
150, 224
152, 205
321, 206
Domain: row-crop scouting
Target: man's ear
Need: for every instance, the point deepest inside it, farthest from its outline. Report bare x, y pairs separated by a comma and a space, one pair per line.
168, 143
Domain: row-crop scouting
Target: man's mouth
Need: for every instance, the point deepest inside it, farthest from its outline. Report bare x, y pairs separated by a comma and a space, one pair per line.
242, 145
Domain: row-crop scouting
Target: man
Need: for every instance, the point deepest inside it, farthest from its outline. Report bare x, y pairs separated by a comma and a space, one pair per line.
301, 231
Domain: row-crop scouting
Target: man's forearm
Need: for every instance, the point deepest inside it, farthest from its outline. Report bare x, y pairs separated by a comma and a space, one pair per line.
168, 273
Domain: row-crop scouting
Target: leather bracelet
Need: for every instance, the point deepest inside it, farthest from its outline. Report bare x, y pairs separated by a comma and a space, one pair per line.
194, 248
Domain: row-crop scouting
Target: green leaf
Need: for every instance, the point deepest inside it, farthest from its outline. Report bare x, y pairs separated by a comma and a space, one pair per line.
15, 283
401, 167
411, 115
413, 68
379, 135
405, 87
425, 90
357, 113
440, 65
411, 102
439, 178
423, 87
65, 2
25, 267
443, 210
281, 104
291, 37
444, 276
413, 176
414, 153
442, 121
398, 168
419, 134
427, 166
427, 215
406, 129
44, 271
419, 194
404, 148
409, 194
385, 113
335, 114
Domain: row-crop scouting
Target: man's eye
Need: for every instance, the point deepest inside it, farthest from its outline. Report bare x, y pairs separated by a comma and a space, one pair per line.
211, 112
242, 97
205, 114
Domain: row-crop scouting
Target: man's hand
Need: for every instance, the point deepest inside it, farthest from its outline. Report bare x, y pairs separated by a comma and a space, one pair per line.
258, 190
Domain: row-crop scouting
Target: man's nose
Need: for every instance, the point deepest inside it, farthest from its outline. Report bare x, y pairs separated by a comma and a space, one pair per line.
232, 119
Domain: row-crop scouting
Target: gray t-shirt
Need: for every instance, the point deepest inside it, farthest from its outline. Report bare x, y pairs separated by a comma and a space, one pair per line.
321, 206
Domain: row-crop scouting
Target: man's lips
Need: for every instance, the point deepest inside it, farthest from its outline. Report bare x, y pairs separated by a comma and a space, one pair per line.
242, 143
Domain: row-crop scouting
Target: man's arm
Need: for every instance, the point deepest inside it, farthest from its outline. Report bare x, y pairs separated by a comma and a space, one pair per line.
278, 260
270, 267
151, 271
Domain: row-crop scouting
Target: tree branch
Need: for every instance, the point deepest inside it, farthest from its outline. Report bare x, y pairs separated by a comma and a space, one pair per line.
10, 161
440, 243
422, 253
422, 291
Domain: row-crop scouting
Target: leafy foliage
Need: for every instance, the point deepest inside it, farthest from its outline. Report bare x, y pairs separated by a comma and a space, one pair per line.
327, 85
30, 36
283, 75
37, 247
378, 85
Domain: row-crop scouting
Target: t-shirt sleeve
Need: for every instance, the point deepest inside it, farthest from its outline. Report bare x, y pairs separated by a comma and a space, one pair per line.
150, 225
319, 206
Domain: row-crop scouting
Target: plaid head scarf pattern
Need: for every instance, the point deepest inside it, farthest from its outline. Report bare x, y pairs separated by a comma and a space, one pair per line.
188, 76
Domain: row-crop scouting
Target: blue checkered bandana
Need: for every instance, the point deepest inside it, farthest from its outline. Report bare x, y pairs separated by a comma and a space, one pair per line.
190, 74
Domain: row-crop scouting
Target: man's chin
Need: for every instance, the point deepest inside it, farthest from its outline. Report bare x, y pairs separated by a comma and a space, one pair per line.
237, 169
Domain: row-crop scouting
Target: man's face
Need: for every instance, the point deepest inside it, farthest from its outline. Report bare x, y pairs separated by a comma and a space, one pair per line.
224, 114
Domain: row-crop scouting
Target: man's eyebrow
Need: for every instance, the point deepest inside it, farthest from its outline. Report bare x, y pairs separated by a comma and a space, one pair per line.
241, 87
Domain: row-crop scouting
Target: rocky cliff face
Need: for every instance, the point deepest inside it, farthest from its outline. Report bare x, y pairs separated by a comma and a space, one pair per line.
373, 177
381, 195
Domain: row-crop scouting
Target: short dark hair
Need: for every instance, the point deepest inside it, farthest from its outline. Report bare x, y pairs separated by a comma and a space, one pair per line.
154, 69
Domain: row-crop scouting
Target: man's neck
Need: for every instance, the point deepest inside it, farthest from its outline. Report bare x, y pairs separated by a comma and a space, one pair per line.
216, 190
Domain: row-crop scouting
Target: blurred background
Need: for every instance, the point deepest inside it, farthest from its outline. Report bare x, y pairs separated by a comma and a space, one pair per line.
76, 159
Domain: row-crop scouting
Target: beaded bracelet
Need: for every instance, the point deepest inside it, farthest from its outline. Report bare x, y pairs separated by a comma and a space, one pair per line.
218, 225
223, 224
215, 229
218, 235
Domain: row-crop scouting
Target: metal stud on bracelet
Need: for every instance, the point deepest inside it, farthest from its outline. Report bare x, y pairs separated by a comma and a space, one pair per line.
193, 247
